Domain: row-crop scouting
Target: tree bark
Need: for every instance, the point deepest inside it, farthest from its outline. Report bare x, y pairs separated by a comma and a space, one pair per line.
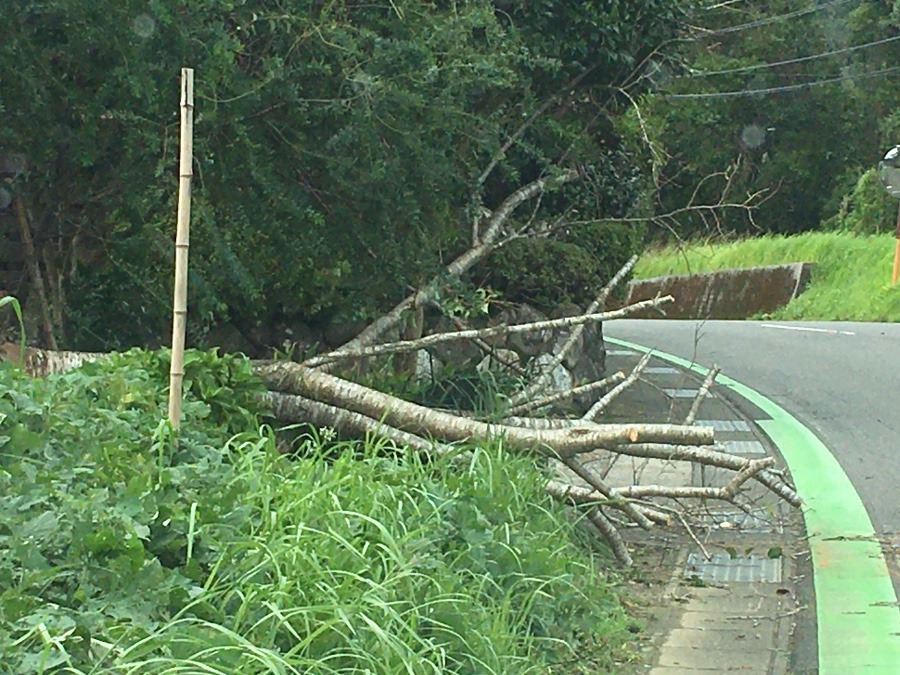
493, 331
297, 379
34, 269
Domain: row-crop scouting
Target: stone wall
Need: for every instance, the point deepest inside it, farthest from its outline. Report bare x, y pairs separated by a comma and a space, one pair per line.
585, 362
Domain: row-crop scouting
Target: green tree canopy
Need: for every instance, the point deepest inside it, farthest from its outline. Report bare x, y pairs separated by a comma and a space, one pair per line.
338, 146
804, 144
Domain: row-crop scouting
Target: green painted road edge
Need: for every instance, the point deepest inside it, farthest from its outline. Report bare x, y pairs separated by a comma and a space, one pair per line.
857, 615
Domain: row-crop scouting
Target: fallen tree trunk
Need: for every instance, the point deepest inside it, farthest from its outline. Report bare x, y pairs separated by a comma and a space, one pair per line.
298, 393
294, 378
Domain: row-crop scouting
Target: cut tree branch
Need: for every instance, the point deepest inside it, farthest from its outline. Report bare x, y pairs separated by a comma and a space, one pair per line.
568, 393
291, 409
488, 241
601, 405
560, 355
493, 331
611, 534
710, 458
298, 379
600, 486
702, 394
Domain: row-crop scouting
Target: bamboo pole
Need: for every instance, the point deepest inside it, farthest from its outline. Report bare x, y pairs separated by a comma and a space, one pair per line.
182, 244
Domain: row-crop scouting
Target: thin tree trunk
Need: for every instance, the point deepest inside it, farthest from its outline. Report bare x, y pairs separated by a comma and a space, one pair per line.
34, 270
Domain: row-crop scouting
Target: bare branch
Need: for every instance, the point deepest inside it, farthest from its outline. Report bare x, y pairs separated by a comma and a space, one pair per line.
467, 260
701, 394
580, 496
600, 405
542, 422
690, 531
503, 330
598, 303
488, 349
711, 458
612, 536
600, 486
615, 281
569, 393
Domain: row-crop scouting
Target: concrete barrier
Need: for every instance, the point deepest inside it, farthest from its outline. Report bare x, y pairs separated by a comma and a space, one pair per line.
727, 294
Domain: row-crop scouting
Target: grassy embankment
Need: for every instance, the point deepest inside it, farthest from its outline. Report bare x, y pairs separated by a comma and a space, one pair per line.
124, 551
851, 280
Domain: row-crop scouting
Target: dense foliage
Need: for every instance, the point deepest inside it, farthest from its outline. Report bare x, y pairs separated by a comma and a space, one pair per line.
550, 272
338, 146
124, 549
805, 147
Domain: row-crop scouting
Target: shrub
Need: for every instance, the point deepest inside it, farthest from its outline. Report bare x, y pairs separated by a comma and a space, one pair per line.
543, 272
124, 551
611, 244
549, 272
868, 209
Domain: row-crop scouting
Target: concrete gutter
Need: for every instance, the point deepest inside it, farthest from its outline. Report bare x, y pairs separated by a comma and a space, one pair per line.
727, 294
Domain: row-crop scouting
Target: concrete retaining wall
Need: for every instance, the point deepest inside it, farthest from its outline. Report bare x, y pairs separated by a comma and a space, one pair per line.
728, 294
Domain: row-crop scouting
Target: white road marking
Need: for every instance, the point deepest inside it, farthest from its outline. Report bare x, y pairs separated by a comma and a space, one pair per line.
807, 330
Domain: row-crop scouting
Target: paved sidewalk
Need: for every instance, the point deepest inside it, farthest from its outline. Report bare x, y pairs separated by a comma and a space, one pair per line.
732, 602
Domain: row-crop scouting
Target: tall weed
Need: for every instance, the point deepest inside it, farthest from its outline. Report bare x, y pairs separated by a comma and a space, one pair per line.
127, 549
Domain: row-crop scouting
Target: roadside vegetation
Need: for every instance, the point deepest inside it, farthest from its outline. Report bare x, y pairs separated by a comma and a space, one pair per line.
126, 550
446, 160
851, 280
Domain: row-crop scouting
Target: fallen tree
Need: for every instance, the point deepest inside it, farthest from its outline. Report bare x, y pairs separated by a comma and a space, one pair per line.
305, 392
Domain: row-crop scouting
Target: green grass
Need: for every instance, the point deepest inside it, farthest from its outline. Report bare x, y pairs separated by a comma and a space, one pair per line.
126, 550
851, 280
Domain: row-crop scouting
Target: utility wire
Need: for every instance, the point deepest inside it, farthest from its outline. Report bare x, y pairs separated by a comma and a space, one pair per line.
802, 59
785, 88
773, 19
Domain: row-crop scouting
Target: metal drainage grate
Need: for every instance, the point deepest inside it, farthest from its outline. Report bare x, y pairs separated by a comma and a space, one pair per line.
759, 522
661, 370
682, 393
726, 569
744, 447
724, 425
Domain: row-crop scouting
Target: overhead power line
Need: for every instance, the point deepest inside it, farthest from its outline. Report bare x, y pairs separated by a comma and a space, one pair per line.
801, 59
786, 88
775, 19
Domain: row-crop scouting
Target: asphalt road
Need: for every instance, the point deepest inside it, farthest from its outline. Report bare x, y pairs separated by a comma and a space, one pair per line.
842, 380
